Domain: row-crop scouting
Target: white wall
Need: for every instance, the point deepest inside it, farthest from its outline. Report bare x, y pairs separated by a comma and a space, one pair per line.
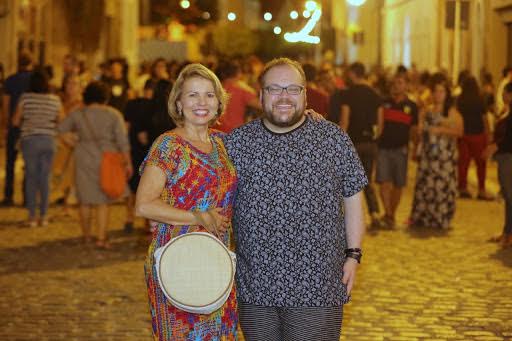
410, 32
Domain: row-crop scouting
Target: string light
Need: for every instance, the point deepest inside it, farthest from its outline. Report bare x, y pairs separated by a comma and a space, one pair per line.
267, 16
231, 16
311, 5
277, 30
304, 34
185, 4
356, 2
294, 15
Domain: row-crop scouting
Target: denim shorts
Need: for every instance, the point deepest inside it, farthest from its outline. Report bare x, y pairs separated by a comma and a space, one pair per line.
392, 166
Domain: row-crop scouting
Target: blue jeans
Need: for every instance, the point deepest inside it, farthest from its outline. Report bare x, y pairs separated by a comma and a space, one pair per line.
505, 179
38, 151
13, 134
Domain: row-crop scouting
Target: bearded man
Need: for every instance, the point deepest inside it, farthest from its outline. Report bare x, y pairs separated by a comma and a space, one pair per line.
298, 217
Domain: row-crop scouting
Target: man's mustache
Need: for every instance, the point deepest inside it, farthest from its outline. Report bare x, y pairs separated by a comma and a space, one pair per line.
285, 102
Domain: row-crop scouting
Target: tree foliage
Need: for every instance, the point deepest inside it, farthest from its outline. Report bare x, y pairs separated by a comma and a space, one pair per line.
233, 40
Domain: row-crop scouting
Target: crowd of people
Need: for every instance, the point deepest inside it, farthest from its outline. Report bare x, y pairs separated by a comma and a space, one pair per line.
271, 134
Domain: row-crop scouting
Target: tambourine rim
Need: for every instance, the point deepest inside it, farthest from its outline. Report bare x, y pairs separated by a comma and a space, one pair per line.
204, 234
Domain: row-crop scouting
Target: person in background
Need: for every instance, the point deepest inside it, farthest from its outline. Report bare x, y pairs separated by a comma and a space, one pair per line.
37, 114
160, 121
3, 116
435, 191
118, 83
501, 107
15, 86
400, 122
99, 127
318, 100
472, 144
64, 162
362, 118
241, 96
501, 147
138, 115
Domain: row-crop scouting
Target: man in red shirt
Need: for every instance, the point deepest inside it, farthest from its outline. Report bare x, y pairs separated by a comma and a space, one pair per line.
400, 121
241, 96
318, 100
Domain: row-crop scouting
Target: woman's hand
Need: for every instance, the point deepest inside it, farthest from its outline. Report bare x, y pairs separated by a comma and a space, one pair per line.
314, 115
129, 170
213, 221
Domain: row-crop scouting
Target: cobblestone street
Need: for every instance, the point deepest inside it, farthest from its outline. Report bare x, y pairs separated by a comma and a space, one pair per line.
412, 285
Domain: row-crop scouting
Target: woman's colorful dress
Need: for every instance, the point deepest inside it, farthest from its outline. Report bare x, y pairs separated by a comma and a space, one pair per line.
436, 178
196, 181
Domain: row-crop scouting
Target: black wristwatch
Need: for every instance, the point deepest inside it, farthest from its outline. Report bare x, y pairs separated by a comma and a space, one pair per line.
355, 253
356, 256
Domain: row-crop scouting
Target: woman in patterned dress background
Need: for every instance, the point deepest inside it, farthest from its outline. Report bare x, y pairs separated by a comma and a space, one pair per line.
436, 179
187, 185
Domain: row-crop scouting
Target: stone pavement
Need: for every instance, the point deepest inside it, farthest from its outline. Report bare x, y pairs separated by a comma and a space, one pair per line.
412, 285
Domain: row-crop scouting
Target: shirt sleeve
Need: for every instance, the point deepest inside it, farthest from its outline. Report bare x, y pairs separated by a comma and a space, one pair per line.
162, 154
349, 165
68, 124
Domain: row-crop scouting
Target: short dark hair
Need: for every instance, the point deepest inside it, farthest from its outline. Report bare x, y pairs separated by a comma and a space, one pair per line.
310, 72
96, 92
227, 69
24, 60
39, 82
357, 69
508, 88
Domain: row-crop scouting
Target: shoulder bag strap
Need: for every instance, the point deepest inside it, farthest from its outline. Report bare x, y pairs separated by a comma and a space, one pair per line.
90, 130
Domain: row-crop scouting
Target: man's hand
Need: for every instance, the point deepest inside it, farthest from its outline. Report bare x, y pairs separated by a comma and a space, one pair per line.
349, 273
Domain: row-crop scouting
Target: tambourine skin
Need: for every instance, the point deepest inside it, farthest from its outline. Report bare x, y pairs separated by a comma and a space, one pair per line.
195, 272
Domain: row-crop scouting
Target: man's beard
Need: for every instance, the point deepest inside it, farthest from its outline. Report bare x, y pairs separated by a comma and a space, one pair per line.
293, 119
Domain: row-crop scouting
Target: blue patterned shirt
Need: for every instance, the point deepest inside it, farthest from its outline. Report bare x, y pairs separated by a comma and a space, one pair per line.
288, 219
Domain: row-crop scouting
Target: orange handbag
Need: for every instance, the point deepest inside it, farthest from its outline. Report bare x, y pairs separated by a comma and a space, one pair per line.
112, 174
113, 178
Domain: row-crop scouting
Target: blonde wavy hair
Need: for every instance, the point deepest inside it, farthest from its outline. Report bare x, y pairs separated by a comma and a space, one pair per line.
190, 71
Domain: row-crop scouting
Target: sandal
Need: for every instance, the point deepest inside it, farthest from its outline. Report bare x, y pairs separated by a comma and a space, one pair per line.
497, 239
103, 245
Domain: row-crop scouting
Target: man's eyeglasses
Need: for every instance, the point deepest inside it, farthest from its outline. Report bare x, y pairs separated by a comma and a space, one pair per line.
290, 89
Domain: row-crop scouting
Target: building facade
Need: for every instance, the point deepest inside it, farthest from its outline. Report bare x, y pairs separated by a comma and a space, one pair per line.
94, 30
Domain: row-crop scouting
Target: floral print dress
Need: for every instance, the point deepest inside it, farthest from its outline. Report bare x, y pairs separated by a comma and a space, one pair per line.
436, 179
196, 181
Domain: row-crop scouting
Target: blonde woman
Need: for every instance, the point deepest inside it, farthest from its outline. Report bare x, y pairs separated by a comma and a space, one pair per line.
187, 185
